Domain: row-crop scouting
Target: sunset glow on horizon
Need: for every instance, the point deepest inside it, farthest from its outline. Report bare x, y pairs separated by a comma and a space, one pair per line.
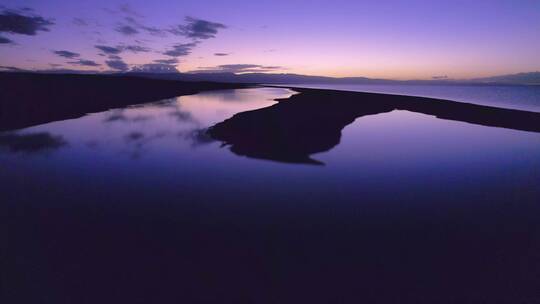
388, 39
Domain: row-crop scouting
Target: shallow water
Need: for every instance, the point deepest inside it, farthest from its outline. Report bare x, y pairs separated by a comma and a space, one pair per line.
142, 192
165, 142
521, 97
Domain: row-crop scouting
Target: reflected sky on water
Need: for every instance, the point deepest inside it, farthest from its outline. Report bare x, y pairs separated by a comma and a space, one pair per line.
164, 144
139, 203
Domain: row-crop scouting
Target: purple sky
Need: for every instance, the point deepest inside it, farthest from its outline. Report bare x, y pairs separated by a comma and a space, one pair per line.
388, 39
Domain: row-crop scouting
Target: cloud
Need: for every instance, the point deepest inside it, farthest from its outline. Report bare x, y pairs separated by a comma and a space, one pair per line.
108, 49
117, 64
155, 68
66, 54
154, 31
128, 10
198, 28
4, 40
127, 30
136, 48
167, 61
84, 62
9, 68
221, 54
182, 49
15, 23
80, 22
238, 68
138, 26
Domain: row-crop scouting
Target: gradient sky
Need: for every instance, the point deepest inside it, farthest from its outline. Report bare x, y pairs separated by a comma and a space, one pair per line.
411, 39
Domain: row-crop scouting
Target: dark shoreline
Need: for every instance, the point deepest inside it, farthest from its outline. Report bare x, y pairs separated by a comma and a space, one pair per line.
28, 99
311, 121
68, 96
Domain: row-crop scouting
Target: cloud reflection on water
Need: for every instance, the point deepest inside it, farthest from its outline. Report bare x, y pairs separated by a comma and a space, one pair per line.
30, 143
170, 126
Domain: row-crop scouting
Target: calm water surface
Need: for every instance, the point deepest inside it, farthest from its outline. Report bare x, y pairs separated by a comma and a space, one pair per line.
504, 96
163, 144
138, 204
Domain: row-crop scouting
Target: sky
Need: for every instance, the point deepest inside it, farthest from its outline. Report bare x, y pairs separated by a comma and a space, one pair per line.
411, 39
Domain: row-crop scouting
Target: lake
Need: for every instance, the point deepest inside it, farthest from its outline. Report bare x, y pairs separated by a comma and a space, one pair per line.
139, 204
522, 97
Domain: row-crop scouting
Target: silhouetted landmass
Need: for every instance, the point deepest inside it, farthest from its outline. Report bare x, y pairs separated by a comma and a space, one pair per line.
311, 122
28, 99
274, 78
520, 78
288, 78
163, 71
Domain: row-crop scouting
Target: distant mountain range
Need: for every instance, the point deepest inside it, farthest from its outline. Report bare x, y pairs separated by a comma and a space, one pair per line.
521, 78
530, 78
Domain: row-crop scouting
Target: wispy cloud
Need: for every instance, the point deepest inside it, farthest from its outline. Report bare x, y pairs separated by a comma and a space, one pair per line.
167, 61
238, 68
198, 28
182, 49
80, 22
10, 68
117, 64
84, 62
139, 26
14, 22
136, 48
108, 49
67, 54
127, 30
155, 68
128, 10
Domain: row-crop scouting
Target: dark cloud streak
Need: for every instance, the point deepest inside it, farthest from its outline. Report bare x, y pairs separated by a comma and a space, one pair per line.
155, 68
10, 68
238, 68
117, 64
182, 49
85, 62
80, 22
16, 23
66, 54
136, 48
127, 30
198, 28
167, 61
108, 49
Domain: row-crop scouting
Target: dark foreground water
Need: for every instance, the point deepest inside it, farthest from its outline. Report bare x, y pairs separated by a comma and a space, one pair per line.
138, 205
